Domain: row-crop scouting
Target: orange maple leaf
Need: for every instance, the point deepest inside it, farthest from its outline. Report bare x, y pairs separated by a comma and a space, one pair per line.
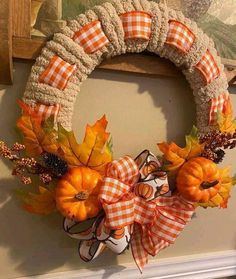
42, 203
177, 156
38, 136
27, 110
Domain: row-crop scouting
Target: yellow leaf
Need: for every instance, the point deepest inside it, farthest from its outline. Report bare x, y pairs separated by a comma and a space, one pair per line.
37, 136
94, 152
68, 146
42, 203
226, 122
177, 156
192, 144
221, 198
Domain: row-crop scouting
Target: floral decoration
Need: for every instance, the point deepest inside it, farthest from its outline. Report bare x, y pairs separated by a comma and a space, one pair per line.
127, 200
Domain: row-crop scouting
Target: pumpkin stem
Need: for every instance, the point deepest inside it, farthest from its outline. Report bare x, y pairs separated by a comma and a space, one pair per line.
207, 185
81, 196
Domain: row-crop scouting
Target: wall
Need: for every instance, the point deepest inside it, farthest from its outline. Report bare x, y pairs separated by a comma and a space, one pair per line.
141, 112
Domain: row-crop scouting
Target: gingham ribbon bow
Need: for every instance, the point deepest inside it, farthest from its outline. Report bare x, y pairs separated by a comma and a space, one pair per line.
156, 223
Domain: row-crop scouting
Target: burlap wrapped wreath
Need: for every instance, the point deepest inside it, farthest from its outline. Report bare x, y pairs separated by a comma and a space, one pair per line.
143, 202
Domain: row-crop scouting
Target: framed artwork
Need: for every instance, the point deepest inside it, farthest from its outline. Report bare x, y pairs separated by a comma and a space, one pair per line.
217, 18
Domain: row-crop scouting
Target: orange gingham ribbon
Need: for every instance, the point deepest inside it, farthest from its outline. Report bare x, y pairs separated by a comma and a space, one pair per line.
91, 37
180, 36
218, 104
46, 111
137, 24
57, 73
157, 223
208, 67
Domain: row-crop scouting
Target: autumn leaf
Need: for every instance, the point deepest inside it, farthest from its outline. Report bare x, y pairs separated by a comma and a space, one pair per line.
68, 146
38, 136
95, 150
42, 203
177, 156
223, 195
26, 109
95, 143
29, 129
226, 122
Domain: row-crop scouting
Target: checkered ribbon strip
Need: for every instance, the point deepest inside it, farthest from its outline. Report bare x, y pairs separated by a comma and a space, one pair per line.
208, 67
218, 104
57, 73
157, 222
180, 36
40, 111
137, 24
91, 37
46, 111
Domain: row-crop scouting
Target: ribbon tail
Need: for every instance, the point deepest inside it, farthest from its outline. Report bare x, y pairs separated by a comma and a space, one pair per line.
147, 242
159, 244
73, 228
151, 243
90, 249
140, 255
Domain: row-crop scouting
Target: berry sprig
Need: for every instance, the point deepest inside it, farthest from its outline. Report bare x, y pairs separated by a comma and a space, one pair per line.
24, 168
21, 166
215, 143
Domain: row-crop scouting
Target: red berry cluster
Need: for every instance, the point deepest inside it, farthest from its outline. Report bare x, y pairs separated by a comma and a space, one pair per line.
215, 143
24, 167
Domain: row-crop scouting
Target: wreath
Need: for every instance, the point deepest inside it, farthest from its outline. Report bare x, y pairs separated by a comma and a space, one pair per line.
145, 202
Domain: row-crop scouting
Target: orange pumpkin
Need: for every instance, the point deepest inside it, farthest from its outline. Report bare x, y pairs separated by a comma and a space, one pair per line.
162, 175
116, 234
150, 167
198, 180
164, 189
77, 193
143, 190
119, 233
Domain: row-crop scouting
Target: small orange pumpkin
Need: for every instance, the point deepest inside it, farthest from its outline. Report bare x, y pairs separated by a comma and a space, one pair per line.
164, 189
143, 190
116, 234
77, 193
150, 167
119, 233
198, 180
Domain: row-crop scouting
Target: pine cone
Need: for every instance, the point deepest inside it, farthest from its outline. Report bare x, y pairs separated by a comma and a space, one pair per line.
220, 156
55, 164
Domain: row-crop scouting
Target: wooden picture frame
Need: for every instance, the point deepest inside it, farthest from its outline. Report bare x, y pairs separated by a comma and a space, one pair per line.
17, 43
6, 72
